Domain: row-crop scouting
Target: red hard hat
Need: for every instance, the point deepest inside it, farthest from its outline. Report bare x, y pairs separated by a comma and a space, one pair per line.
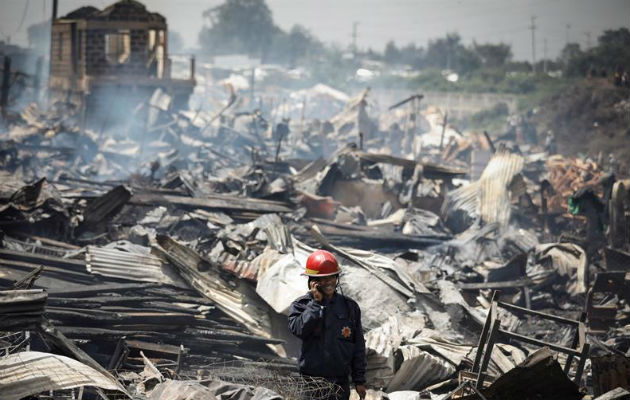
321, 263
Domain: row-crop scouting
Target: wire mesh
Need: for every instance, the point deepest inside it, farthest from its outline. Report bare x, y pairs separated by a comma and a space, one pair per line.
276, 377
37, 248
14, 342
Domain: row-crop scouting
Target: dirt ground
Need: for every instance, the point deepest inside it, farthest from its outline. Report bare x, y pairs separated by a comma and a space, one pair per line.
591, 118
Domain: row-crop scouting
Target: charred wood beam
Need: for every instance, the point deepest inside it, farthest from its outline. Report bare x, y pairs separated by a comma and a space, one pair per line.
367, 238
521, 310
212, 202
429, 170
29, 280
47, 241
405, 101
109, 335
55, 340
99, 301
21, 309
92, 317
154, 347
228, 335
516, 284
104, 288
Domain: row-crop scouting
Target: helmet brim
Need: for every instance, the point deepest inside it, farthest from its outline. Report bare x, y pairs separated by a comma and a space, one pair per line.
319, 275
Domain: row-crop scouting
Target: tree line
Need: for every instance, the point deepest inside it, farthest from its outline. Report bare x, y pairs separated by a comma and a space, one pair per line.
247, 26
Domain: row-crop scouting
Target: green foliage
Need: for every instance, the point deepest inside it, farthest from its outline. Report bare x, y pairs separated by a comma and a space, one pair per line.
247, 26
238, 26
493, 55
450, 53
612, 50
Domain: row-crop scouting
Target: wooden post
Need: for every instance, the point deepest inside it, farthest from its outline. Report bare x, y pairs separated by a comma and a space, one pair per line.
252, 87
545, 187
83, 113
302, 119
443, 130
485, 134
50, 57
192, 67
38, 78
580, 331
494, 329
180, 359
414, 122
276, 159
6, 84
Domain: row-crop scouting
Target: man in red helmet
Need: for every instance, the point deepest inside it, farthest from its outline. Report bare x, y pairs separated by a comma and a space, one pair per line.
329, 324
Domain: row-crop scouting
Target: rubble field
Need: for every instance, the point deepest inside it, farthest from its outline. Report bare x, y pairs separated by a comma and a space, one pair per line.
157, 258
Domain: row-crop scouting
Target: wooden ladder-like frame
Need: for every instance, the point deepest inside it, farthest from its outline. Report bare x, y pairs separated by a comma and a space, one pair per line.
492, 330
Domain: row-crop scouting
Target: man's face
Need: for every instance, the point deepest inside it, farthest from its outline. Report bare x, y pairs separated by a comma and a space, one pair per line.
327, 284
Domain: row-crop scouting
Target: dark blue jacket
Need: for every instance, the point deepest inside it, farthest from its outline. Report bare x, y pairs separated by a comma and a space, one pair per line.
333, 345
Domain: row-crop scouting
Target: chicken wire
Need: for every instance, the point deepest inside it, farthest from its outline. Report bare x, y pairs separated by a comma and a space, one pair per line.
276, 377
14, 342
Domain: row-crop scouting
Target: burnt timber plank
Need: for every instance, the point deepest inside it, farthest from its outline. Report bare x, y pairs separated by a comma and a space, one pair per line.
212, 202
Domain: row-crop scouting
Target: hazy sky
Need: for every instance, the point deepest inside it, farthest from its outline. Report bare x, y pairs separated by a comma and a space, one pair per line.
379, 21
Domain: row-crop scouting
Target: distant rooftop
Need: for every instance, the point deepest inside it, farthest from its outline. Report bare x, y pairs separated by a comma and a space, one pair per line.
123, 10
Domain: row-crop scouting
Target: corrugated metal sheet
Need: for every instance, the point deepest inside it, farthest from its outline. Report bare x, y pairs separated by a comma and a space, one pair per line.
21, 309
489, 197
31, 372
418, 369
243, 269
181, 390
121, 264
236, 299
381, 343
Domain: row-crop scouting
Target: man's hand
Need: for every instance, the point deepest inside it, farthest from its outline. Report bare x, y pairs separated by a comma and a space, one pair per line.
317, 295
361, 391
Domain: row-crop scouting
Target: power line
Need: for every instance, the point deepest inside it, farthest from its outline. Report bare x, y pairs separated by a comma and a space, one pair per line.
8, 37
23, 16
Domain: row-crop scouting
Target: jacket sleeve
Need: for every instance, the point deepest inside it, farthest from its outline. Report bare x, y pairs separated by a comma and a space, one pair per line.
359, 361
304, 317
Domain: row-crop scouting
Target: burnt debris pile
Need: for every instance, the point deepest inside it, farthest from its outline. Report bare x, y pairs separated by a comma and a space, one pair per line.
158, 260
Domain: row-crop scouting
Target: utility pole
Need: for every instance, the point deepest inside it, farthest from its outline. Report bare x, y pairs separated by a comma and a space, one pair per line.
55, 7
545, 56
4, 91
252, 89
567, 33
355, 24
532, 27
588, 40
38, 76
444, 122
